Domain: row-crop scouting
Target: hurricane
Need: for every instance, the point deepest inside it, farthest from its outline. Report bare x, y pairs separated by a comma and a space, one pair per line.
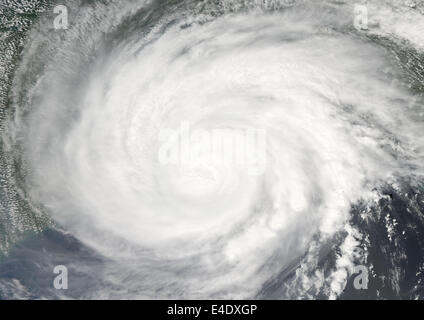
229, 149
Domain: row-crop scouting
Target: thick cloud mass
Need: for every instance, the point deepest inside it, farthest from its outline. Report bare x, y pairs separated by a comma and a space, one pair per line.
337, 127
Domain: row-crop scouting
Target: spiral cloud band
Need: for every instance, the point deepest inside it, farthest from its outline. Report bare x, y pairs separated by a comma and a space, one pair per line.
210, 150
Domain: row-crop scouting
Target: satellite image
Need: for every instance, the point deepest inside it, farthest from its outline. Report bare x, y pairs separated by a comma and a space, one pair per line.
211, 149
